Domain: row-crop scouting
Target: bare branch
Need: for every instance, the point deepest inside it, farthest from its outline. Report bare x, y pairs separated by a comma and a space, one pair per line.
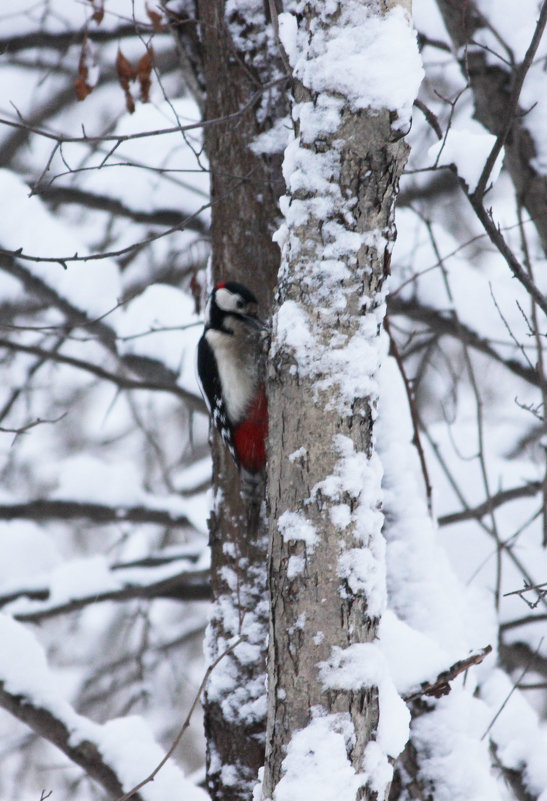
44, 509
516, 655
441, 685
45, 724
497, 239
512, 104
416, 439
111, 254
132, 793
123, 382
166, 217
62, 40
492, 89
501, 497
443, 324
186, 586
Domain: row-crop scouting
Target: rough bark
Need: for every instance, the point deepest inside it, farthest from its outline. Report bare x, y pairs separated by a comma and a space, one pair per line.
492, 88
316, 609
240, 73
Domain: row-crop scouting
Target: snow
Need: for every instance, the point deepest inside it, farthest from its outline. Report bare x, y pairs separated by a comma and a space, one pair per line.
350, 365
26, 223
453, 755
440, 583
125, 744
412, 657
294, 526
423, 590
361, 666
26, 551
520, 737
151, 325
349, 58
316, 765
467, 151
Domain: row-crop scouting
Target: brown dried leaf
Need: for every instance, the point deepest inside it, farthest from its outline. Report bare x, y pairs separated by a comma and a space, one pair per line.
98, 13
126, 71
144, 71
126, 75
82, 85
129, 102
81, 88
157, 20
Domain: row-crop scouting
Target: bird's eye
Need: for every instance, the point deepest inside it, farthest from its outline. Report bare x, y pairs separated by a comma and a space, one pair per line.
240, 303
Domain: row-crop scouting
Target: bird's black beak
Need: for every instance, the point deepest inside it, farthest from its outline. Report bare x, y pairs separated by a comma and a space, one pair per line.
254, 321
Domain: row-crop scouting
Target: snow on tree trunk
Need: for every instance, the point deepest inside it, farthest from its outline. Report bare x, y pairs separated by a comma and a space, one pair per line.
334, 719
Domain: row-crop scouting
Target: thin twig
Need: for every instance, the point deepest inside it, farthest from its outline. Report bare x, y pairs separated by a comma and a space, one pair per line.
184, 726
513, 688
416, 439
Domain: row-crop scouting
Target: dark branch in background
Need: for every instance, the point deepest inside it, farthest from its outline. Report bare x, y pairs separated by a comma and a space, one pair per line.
186, 586
443, 324
44, 724
90, 200
516, 655
65, 39
56, 103
74, 317
443, 182
513, 776
100, 514
501, 497
156, 376
523, 621
512, 107
194, 402
119, 139
123, 382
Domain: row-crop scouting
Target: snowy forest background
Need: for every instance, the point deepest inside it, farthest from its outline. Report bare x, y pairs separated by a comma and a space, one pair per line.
105, 470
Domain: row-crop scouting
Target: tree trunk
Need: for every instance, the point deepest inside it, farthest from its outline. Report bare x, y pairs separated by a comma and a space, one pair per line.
326, 560
238, 68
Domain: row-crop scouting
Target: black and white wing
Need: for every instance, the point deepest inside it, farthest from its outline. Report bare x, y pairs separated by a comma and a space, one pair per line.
211, 387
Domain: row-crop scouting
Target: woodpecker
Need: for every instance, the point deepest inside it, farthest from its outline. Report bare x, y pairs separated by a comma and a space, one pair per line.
230, 369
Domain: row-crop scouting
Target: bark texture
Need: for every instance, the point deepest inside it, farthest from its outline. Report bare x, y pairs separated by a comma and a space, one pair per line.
324, 497
233, 60
497, 108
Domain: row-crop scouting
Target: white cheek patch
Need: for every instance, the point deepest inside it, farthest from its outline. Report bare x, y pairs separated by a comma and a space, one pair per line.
226, 300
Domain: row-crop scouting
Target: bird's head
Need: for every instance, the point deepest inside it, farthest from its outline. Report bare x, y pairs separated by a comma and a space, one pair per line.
231, 303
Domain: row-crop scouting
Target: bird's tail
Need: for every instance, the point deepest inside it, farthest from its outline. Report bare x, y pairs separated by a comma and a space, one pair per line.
252, 492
